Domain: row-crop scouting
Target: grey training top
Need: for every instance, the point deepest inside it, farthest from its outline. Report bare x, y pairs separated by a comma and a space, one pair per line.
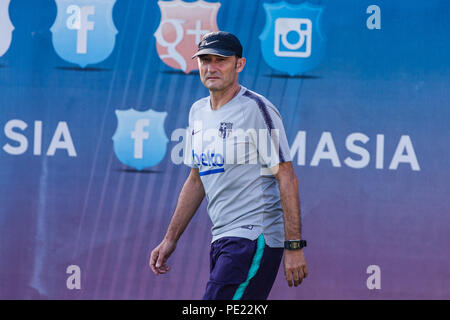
233, 147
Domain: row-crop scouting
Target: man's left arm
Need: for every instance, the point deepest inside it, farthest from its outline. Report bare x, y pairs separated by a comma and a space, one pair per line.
295, 268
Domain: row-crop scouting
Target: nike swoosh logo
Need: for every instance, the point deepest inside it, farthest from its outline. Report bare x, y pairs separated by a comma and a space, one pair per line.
211, 42
195, 132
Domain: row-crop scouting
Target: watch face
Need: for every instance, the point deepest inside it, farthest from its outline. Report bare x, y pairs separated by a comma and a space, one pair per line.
294, 244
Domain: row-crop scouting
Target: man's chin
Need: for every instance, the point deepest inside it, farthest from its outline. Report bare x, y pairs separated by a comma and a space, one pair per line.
213, 87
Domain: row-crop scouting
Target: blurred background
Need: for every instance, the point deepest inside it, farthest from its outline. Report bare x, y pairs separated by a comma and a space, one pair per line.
363, 90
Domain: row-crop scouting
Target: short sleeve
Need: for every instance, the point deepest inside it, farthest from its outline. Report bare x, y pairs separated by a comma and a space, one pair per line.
272, 144
188, 158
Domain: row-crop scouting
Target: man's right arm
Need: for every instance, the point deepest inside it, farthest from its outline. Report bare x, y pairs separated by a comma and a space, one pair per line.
190, 198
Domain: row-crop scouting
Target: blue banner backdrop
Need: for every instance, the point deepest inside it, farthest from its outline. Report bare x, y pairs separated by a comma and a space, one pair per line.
93, 97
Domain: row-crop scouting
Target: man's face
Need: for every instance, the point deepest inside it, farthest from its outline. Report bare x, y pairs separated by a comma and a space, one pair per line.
218, 73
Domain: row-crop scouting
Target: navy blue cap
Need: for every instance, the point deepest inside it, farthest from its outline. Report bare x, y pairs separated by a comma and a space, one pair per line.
219, 43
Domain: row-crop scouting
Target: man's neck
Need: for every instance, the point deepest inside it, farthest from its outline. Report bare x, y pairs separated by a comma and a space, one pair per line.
222, 97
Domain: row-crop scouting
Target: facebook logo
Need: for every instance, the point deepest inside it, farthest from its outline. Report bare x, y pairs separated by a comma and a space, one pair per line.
140, 140
84, 31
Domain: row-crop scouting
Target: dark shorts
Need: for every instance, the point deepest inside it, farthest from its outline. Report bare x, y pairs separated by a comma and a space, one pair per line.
242, 269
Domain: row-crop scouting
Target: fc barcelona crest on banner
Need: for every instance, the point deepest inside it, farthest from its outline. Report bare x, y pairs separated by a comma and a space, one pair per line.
6, 27
180, 30
292, 40
84, 31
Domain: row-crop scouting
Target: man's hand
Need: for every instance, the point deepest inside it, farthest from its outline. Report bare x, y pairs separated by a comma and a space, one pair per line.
159, 257
189, 200
295, 269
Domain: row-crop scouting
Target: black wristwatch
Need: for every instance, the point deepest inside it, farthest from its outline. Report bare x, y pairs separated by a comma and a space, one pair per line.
294, 244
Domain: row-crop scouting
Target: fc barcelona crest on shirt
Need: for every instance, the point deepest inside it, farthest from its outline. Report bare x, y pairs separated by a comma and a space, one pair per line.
84, 32
181, 28
225, 129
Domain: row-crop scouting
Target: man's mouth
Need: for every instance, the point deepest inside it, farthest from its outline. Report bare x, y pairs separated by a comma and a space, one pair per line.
212, 78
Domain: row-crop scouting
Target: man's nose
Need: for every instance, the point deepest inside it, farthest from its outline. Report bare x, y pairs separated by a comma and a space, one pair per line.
212, 67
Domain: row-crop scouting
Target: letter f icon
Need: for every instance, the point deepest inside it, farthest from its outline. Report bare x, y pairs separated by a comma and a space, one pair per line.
85, 26
139, 135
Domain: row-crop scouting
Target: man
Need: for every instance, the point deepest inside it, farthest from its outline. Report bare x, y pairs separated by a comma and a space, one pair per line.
255, 215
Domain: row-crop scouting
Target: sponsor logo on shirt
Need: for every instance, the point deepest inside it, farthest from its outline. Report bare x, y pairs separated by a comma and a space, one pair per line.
213, 162
208, 159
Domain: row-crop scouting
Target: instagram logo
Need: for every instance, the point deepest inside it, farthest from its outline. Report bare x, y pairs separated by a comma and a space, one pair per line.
292, 40
293, 37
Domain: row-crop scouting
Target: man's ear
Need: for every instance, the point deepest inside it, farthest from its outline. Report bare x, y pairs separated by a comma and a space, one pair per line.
240, 63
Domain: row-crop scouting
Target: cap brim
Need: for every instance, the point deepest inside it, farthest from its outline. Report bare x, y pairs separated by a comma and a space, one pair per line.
216, 52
